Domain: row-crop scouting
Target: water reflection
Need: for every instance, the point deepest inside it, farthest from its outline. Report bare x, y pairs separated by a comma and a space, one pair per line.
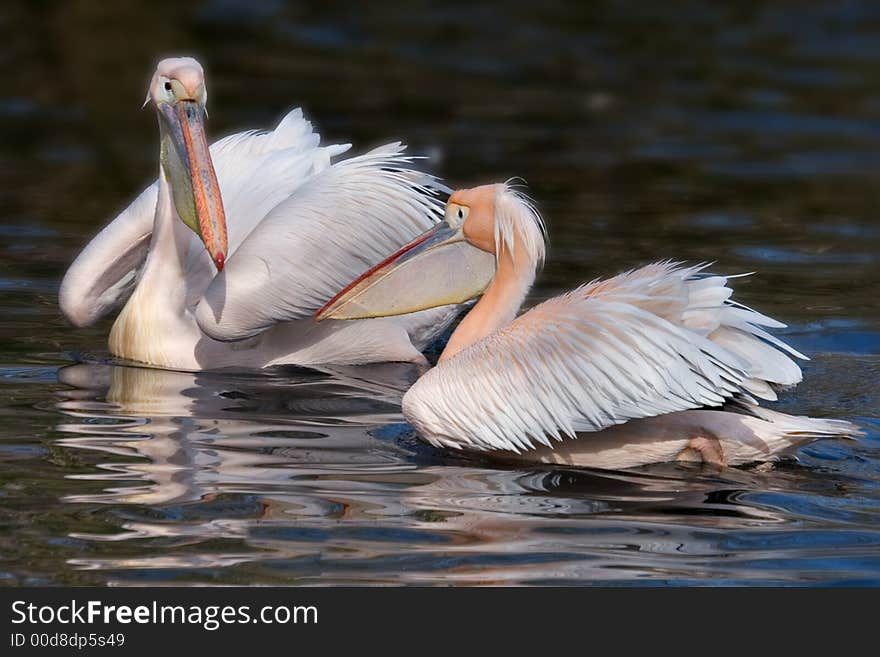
196, 433
311, 476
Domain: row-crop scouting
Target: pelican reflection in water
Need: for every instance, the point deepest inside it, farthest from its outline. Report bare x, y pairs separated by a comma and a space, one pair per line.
204, 470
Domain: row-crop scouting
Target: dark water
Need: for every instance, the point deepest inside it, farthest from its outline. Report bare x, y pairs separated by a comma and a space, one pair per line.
749, 136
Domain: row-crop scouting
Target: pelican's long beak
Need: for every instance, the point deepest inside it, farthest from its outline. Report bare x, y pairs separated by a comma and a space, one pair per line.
188, 165
437, 268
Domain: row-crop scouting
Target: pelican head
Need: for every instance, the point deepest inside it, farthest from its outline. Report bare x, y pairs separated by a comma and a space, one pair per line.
483, 228
177, 91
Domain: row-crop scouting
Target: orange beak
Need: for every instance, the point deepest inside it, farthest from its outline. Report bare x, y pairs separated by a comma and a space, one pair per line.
193, 179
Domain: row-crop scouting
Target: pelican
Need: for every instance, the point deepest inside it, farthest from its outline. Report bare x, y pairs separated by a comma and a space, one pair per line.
656, 364
224, 260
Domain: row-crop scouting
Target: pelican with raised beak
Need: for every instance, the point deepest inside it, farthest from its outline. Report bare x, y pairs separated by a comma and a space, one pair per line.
225, 259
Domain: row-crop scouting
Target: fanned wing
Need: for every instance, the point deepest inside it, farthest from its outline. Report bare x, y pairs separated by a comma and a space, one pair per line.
256, 171
338, 224
655, 340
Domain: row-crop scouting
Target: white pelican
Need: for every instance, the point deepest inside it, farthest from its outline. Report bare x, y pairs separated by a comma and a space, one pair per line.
627, 368
199, 297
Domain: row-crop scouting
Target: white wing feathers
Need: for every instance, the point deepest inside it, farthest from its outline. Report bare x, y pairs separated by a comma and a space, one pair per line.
256, 170
651, 341
104, 274
338, 224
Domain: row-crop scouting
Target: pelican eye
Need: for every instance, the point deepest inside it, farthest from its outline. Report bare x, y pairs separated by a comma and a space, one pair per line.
167, 86
456, 214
